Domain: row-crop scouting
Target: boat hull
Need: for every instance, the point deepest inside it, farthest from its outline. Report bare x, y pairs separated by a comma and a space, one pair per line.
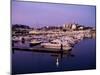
57, 47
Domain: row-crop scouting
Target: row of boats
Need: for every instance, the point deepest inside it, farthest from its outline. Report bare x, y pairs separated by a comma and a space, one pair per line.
64, 42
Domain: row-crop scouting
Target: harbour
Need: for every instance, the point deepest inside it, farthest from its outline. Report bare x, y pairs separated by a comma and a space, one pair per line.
80, 57
53, 52
47, 43
52, 37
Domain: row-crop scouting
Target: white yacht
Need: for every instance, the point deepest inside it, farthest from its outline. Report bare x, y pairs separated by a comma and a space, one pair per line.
34, 42
56, 44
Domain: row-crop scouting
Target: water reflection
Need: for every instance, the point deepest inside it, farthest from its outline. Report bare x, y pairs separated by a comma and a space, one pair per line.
61, 55
58, 56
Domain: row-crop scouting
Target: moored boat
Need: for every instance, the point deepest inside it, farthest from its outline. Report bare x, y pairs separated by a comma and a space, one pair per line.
56, 44
16, 39
34, 42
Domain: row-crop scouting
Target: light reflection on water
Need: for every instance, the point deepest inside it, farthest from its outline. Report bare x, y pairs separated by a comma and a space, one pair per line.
82, 56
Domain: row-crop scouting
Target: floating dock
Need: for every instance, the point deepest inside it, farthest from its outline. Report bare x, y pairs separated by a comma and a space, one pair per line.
41, 50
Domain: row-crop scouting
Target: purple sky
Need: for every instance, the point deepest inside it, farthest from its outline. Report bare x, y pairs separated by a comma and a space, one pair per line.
42, 14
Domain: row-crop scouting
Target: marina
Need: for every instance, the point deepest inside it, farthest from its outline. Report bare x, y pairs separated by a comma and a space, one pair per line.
47, 44
52, 37
45, 61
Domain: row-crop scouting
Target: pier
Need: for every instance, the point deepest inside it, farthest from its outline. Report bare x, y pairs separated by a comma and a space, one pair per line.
40, 50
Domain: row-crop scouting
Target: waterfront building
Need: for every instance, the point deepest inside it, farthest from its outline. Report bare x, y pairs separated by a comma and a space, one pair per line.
74, 26
67, 26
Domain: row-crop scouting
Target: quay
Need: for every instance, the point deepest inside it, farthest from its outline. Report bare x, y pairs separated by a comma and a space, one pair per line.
40, 50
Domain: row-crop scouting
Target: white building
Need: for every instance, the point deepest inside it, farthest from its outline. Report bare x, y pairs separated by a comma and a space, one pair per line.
74, 26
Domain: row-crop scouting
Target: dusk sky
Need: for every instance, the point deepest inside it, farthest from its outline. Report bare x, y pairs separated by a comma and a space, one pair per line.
43, 14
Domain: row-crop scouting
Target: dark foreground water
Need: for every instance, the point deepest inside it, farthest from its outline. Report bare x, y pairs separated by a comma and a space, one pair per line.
82, 57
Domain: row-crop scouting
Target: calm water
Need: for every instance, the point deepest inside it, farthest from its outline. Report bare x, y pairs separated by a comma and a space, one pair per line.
82, 56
